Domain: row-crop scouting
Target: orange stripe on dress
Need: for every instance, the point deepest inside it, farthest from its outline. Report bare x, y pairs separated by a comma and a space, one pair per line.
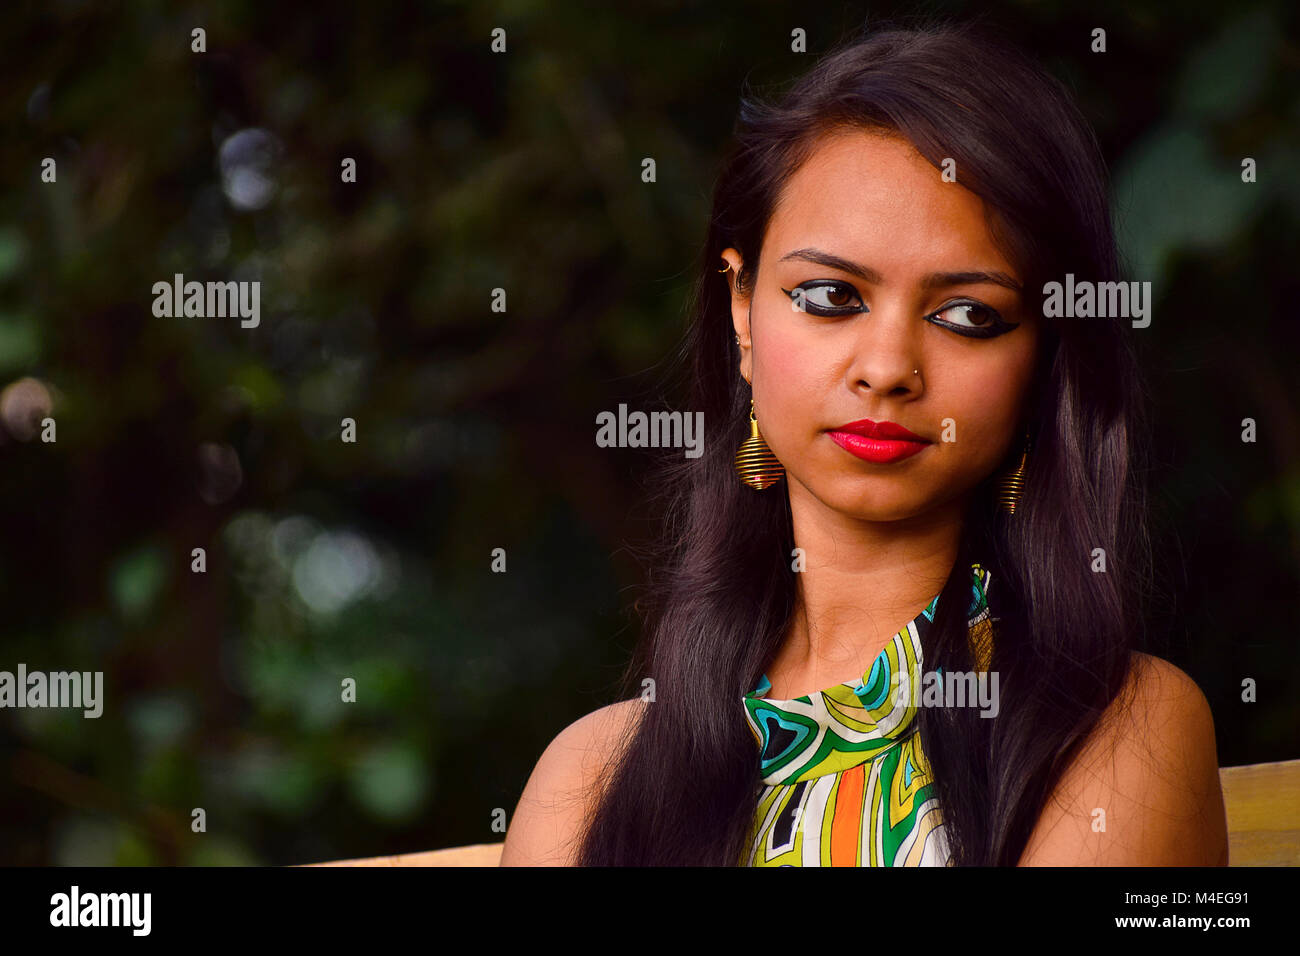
846, 824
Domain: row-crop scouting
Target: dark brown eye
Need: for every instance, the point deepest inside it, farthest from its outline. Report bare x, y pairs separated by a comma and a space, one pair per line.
977, 321
973, 314
826, 298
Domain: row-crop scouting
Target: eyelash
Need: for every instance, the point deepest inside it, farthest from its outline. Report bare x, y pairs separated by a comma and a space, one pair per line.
1000, 325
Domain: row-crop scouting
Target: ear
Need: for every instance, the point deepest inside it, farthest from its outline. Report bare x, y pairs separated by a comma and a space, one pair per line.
741, 311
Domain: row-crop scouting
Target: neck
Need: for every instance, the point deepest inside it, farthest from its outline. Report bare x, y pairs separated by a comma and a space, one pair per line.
862, 582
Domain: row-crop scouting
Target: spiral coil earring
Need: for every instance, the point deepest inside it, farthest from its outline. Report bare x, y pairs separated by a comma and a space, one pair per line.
1011, 485
755, 463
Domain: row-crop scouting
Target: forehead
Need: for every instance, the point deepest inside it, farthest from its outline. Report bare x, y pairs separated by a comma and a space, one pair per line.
871, 197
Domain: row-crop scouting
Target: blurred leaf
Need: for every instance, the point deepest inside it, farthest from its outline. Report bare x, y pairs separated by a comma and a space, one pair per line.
390, 781
1170, 194
284, 782
137, 578
20, 343
13, 252
1226, 75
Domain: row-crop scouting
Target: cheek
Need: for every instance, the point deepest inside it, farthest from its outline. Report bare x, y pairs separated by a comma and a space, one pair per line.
801, 355
780, 348
788, 364
792, 374
990, 397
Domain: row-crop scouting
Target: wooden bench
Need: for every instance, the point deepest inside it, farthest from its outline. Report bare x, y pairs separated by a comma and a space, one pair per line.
1262, 802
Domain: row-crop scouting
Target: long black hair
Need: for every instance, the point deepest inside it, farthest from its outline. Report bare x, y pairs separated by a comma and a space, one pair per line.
683, 788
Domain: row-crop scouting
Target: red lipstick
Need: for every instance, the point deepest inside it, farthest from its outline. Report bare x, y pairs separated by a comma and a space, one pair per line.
880, 442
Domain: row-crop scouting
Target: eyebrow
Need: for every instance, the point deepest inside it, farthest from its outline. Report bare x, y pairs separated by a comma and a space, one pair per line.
935, 280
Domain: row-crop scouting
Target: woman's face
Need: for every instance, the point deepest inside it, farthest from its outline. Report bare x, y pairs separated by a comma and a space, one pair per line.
900, 255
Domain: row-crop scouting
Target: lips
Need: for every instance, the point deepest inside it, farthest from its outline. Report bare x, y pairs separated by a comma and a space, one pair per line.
869, 429
880, 442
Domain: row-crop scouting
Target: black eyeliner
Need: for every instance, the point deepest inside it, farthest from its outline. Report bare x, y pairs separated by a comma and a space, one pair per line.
1001, 326
823, 312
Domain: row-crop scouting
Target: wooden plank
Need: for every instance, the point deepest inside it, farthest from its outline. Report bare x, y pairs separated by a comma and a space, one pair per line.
1262, 802
1263, 805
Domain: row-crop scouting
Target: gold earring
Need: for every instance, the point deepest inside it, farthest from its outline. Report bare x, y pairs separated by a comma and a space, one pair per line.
1012, 484
755, 463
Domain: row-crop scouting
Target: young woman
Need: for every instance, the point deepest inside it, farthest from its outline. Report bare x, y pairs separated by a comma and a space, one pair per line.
942, 492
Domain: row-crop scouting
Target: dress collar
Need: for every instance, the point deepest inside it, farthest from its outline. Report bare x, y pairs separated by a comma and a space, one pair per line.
852, 722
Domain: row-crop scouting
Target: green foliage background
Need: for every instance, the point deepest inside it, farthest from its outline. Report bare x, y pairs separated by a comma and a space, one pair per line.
475, 428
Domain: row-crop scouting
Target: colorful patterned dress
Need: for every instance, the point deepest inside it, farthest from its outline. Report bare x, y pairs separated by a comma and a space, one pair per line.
846, 782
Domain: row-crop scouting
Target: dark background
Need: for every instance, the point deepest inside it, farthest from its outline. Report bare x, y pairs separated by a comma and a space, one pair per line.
518, 170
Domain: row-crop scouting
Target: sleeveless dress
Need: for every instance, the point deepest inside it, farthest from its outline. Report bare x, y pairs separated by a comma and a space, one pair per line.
845, 779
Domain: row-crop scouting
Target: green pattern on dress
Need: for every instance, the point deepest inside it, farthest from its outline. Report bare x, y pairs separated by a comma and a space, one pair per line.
846, 781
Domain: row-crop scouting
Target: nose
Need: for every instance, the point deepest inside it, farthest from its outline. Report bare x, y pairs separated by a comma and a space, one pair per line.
886, 354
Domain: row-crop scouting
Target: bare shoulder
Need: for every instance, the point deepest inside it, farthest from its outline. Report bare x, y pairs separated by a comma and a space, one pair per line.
1144, 790
560, 791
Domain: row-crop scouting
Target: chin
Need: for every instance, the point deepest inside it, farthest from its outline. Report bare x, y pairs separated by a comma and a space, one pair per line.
869, 507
